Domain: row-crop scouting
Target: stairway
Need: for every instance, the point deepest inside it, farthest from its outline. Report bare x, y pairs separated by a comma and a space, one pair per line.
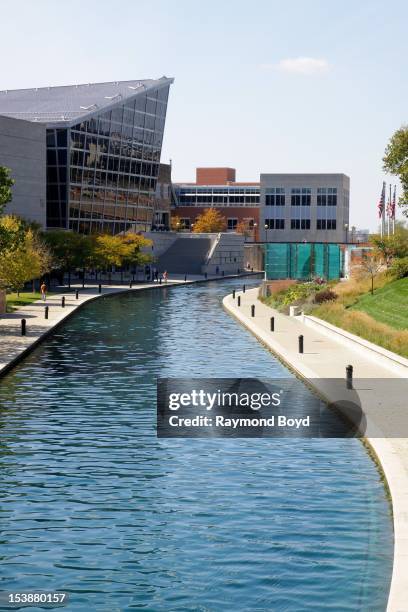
185, 256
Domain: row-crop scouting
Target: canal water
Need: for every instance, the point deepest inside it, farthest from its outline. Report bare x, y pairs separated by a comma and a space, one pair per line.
92, 503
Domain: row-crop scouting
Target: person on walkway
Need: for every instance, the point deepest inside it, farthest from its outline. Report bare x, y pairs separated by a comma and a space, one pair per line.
156, 275
165, 276
43, 290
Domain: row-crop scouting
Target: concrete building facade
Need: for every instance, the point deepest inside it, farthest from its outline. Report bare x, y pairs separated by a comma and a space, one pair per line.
304, 207
23, 150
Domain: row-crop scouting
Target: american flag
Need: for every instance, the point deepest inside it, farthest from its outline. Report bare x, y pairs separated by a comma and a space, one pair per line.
389, 206
381, 203
393, 203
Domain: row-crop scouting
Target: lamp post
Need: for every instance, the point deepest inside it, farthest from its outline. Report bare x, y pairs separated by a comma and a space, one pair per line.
255, 225
266, 231
191, 226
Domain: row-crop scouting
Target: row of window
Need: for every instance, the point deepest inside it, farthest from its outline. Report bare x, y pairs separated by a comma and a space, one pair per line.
321, 224
303, 199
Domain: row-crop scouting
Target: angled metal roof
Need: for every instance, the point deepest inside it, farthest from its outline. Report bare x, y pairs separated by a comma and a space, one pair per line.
65, 104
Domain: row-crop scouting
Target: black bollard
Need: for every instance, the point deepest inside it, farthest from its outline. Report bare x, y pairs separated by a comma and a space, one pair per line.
76, 294
233, 294
300, 343
23, 327
63, 301
205, 276
46, 310
253, 310
83, 282
252, 269
223, 273
272, 323
239, 300
243, 289
160, 280
130, 285
349, 377
100, 288
185, 278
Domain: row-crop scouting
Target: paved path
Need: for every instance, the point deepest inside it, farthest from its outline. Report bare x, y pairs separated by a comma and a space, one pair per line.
323, 360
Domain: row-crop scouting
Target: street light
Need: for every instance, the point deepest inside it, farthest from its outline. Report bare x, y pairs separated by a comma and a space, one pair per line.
266, 231
346, 228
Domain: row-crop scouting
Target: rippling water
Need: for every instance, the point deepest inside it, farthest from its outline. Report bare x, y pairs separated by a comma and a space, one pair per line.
92, 503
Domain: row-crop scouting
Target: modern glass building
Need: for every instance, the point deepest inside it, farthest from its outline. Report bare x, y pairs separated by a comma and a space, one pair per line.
103, 145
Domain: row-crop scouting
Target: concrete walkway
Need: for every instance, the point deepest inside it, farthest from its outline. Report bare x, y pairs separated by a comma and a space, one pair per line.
383, 401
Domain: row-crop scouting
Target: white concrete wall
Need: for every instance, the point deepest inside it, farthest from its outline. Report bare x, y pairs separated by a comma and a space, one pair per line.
228, 254
23, 150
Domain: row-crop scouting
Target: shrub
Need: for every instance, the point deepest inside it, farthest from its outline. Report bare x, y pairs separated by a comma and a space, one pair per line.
325, 296
399, 268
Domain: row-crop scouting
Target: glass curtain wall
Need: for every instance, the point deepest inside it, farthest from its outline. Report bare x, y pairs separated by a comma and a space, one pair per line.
102, 175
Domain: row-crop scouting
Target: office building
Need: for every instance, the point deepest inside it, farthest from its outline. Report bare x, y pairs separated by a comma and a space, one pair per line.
103, 148
304, 207
217, 188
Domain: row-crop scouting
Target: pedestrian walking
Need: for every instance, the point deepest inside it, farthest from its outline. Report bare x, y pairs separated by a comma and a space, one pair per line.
165, 276
43, 290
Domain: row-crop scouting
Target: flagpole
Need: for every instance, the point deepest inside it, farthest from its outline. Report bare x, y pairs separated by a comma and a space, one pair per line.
389, 212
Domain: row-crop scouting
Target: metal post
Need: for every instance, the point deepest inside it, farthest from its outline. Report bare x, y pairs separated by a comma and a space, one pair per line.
239, 300
223, 273
23, 327
100, 288
160, 280
233, 294
243, 289
185, 278
76, 294
253, 310
272, 323
205, 275
301, 343
349, 376
46, 310
63, 301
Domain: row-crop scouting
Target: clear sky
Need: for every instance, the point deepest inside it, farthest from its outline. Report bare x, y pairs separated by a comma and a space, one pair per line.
262, 86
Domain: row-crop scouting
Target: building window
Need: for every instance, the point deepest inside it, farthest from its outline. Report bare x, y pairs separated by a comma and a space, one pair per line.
185, 223
277, 224
327, 196
232, 224
275, 196
306, 196
295, 197
326, 224
300, 224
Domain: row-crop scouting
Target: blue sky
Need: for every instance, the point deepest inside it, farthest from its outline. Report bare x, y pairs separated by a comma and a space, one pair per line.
262, 86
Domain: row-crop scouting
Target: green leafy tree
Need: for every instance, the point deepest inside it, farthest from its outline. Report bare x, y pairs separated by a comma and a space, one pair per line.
71, 251
396, 162
391, 247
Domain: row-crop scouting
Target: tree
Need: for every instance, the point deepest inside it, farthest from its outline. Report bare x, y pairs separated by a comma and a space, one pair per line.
6, 183
370, 266
109, 251
211, 220
70, 250
26, 260
244, 228
176, 224
132, 246
391, 247
395, 162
